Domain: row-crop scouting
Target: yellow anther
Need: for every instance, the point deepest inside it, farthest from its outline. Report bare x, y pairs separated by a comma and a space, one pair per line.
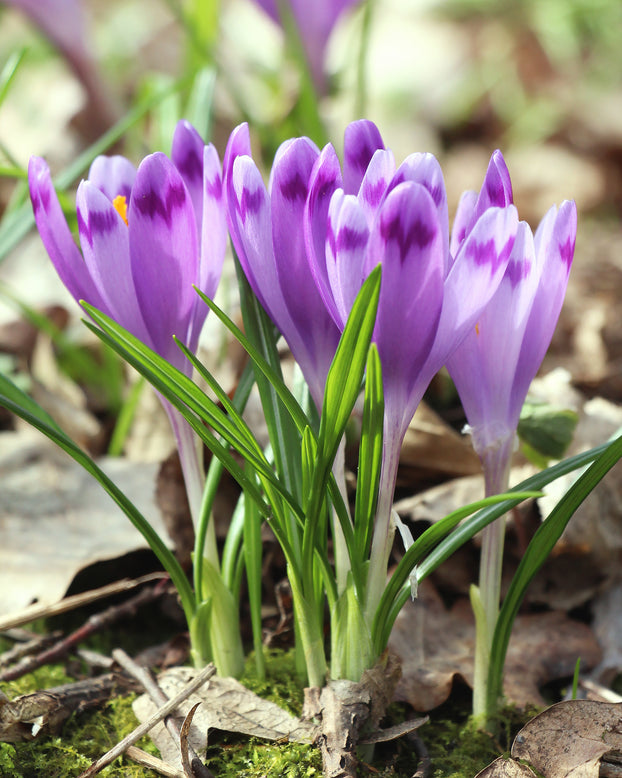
477, 329
120, 204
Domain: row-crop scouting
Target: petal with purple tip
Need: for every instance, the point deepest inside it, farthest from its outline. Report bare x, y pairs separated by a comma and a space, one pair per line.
164, 252
346, 244
187, 155
56, 236
324, 180
362, 139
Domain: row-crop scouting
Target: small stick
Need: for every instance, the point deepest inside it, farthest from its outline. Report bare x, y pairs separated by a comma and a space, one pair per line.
94, 623
144, 677
147, 760
141, 730
28, 648
35, 611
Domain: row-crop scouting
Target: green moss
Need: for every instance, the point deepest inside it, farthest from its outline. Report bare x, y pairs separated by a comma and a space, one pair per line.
456, 748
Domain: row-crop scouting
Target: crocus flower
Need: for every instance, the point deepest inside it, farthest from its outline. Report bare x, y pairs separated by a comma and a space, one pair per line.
266, 227
429, 297
147, 236
494, 365
315, 22
63, 24
497, 360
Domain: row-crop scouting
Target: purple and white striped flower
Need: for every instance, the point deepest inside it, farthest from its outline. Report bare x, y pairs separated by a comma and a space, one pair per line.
147, 236
266, 227
429, 298
497, 360
494, 365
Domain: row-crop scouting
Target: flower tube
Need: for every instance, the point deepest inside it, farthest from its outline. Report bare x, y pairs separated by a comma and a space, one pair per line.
429, 297
146, 236
495, 364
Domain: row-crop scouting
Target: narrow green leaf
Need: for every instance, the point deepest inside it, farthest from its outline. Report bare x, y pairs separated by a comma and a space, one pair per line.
534, 557
546, 430
192, 403
370, 455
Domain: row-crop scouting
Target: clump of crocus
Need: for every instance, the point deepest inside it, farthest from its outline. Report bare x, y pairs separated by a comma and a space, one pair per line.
497, 360
314, 23
430, 297
147, 235
64, 25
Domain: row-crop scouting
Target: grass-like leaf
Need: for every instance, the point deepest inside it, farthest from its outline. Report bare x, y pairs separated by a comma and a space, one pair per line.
534, 557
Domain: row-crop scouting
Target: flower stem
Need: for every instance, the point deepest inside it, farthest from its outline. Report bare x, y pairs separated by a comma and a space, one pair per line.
496, 463
384, 531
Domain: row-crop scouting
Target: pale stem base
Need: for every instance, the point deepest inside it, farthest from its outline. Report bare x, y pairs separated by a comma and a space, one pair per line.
496, 463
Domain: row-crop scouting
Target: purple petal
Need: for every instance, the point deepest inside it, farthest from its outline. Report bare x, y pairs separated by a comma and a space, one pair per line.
462, 220
250, 225
554, 245
56, 236
187, 155
213, 239
290, 176
424, 169
105, 245
346, 245
375, 183
484, 364
324, 180
113, 176
406, 237
164, 252
239, 144
362, 139
315, 330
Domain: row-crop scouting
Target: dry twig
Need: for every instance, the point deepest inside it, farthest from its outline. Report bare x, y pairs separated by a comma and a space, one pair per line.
141, 730
144, 677
94, 623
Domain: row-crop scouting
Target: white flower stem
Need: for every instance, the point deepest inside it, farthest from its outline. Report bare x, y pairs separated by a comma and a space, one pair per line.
384, 531
496, 463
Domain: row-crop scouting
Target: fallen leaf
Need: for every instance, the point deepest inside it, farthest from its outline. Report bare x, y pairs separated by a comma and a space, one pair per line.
506, 768
56, 519
568, 740
436, 645
226, 705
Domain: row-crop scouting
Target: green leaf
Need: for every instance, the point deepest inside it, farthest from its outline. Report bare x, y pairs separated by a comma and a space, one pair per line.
196, 407
546, 431
534, 557
343, 386
370, 455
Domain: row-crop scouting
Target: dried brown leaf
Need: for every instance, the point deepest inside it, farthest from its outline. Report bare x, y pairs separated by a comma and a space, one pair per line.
569, 739
435, 645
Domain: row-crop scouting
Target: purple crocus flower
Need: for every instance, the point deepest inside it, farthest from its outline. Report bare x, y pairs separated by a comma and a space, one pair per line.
429, 297
147, 236
63, 24
494, 365
315, 22
266, 227
497, 360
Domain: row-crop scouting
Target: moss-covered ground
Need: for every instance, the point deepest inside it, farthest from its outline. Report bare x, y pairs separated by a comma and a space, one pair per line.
456, 748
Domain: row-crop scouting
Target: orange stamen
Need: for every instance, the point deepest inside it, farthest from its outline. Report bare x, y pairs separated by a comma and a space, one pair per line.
477, 329
120, 204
